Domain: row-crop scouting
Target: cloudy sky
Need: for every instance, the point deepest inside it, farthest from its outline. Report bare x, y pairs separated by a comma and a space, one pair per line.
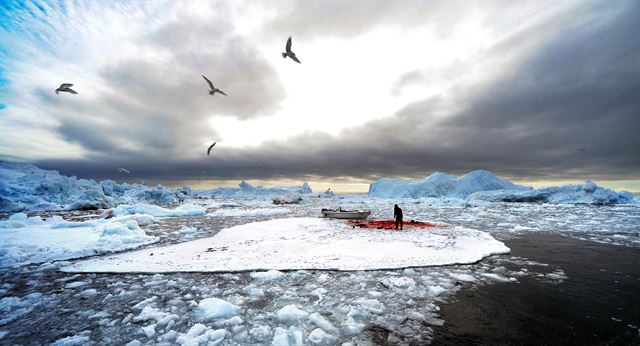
385, 88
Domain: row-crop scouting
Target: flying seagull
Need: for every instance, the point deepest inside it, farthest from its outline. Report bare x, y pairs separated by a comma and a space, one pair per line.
289, 53
211, 147
123, 170
582, 149
65, 87
213, 89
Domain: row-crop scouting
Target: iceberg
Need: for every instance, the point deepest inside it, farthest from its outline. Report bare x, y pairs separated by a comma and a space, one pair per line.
248, 191
25, 187
441, 185
587, 193
484, 186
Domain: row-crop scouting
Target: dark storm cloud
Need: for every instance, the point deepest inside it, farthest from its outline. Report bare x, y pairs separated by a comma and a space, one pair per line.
566, 83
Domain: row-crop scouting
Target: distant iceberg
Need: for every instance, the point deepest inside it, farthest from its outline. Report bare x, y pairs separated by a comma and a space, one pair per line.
442, 185
587, 193
483, 185
248, 191
25, 187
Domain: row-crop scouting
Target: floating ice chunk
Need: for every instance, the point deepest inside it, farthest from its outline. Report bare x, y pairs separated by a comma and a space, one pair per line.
200, 334
398, 282
260, 333
254, 292
268, 275
323, 323
437, 290
373, 305
290, 314
133, 343
161, 318
72, 340
214, 308
197, 330
352, 328
320, 337
88, 293
495, 277
149, 331
75, 284
12, 308
145, 302
233, 321
280, 337
463, 277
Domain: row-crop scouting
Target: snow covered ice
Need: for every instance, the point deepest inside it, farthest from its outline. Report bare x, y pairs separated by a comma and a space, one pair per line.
305, 243
34, 240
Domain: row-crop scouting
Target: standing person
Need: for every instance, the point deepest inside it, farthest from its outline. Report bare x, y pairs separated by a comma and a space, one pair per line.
397, 213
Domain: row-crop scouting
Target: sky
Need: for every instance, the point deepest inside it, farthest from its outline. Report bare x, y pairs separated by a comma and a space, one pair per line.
399, 89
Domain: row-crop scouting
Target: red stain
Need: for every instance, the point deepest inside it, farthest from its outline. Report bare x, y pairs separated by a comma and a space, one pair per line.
391, 224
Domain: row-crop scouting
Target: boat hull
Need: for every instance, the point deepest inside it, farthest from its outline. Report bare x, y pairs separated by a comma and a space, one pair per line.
348, 215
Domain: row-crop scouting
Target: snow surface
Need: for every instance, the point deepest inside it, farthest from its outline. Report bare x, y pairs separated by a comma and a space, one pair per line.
27, 240
305, 243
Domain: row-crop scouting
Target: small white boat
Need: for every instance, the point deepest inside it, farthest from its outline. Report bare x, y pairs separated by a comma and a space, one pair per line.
346, 214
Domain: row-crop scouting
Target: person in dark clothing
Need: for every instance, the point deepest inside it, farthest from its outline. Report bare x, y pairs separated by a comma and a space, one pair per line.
397, 213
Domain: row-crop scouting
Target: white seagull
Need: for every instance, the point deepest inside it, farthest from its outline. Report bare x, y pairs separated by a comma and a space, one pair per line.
123, 170
289, 53
213, 89
65, 87
211, 147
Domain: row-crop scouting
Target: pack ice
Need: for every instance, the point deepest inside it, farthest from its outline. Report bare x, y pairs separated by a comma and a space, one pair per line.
305, 243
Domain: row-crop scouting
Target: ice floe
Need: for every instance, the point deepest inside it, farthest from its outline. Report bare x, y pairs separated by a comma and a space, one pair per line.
305, 243
35, 240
